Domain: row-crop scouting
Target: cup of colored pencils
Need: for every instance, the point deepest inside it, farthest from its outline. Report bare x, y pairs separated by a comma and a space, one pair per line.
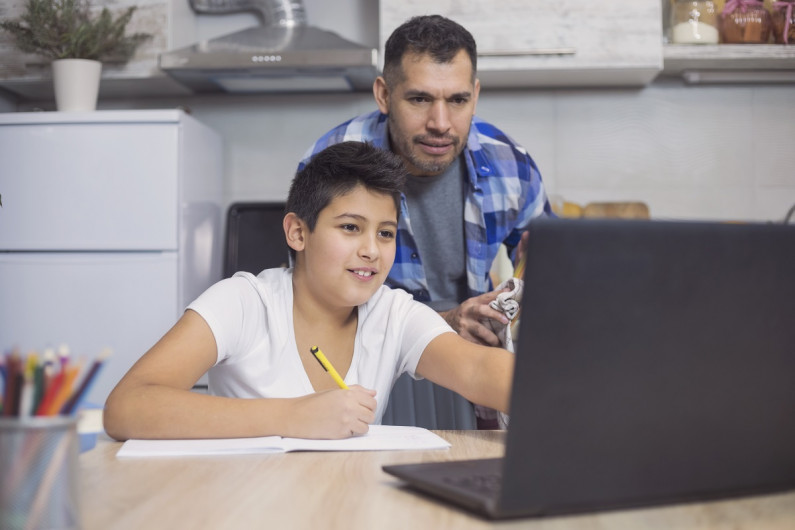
41, 395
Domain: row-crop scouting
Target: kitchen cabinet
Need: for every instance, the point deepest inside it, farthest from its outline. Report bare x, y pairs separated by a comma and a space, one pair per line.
726, 63
110, 226
527, 43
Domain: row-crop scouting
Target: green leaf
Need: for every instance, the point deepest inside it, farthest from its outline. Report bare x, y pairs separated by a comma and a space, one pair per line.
70, 29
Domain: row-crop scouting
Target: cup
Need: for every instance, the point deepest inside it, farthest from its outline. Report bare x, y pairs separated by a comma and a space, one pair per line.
39, 470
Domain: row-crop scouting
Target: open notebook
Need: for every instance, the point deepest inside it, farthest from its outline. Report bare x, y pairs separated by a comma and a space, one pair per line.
379, 438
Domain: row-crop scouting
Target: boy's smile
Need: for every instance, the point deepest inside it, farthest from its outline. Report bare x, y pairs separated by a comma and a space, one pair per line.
349, 253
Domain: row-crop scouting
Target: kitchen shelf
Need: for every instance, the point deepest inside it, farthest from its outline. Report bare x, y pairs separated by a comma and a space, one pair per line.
151, 85
729, 62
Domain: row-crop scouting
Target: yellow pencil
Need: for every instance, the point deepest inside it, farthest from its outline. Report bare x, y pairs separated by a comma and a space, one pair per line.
518, 272
26, 395
328, 367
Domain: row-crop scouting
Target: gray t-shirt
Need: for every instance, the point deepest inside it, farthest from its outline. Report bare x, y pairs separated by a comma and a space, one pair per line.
436, 210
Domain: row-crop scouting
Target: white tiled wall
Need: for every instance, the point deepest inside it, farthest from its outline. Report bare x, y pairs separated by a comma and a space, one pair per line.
688, 152
701, 152
725, 152
6, 105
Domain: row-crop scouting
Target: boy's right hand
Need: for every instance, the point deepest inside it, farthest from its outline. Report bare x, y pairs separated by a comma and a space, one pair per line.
333, 414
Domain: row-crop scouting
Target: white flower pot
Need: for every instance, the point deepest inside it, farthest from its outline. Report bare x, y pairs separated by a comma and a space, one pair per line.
76, 84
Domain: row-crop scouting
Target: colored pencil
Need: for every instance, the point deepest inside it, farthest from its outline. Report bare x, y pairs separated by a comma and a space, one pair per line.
26, 392
13, 369
48, 388
50, 392
65, 390
78, 395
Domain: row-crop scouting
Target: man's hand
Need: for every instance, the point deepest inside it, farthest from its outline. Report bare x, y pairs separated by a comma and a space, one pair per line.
467, 319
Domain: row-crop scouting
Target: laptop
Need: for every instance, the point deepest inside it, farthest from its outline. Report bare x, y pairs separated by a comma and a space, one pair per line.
655, 364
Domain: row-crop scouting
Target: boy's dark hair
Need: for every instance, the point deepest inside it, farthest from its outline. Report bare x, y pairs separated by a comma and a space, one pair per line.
439, 37
337, 170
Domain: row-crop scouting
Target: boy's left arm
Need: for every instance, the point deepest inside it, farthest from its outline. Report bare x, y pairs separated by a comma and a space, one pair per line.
481, 374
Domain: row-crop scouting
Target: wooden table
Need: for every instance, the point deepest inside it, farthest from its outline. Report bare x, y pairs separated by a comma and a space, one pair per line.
346, 491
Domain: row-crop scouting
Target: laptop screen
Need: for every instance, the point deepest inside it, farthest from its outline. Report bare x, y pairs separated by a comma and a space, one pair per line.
655, 364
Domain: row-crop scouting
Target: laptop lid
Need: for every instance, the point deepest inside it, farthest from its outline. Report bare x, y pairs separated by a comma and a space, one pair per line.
655, 364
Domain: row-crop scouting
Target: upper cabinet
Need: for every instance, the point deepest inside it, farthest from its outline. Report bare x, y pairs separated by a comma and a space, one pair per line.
727, 63
539, 43
521, 43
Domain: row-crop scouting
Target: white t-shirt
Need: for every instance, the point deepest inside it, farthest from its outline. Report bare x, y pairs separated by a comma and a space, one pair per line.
252, 321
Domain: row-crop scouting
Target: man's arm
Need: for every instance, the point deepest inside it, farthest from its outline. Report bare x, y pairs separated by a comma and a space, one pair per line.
467, 318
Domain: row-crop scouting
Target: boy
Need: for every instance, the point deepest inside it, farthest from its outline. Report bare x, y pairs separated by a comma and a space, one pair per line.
254, 334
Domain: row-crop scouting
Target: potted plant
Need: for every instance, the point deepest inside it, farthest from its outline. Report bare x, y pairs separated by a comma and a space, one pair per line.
77, 39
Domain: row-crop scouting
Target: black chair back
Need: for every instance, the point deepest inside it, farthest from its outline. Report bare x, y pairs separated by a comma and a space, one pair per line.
255, 238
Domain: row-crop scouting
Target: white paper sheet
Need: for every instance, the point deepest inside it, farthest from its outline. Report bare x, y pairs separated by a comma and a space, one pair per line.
379, 438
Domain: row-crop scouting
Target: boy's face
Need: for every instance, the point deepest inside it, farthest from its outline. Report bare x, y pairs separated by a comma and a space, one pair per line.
430, 111
352, 248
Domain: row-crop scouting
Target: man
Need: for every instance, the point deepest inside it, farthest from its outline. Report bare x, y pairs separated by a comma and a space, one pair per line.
471, 187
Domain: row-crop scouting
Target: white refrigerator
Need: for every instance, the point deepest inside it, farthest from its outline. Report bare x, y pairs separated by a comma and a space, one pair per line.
110, 225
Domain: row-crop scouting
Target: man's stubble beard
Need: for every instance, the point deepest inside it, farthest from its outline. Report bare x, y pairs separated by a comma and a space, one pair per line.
406, 150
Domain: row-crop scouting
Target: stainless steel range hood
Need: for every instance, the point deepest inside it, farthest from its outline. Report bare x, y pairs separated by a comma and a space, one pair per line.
282, 55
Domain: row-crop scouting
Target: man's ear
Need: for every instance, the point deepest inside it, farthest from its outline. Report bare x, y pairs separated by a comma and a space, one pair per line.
294, 231
381, 94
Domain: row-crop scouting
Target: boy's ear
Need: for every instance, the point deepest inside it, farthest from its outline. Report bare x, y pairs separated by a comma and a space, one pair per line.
294, 230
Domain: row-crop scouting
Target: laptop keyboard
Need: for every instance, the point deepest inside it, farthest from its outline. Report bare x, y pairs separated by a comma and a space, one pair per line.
483, 484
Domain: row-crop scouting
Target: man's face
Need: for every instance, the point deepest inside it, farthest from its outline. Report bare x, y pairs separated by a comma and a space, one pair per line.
430, 110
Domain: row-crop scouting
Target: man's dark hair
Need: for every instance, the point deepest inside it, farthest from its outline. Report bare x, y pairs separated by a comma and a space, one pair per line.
337, 170
439, 37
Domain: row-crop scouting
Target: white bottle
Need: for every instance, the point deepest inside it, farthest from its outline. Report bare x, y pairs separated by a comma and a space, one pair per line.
694, 22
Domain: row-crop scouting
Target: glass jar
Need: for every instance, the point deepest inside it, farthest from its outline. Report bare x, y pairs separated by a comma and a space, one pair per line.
783, 18
745, 22
694, 22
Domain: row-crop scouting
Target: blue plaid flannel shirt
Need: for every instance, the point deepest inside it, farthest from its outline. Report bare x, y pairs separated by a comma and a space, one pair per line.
505, 193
